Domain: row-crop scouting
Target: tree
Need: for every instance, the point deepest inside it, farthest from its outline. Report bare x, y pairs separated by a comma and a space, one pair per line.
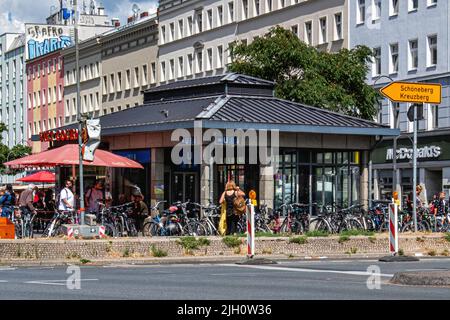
334, 81
8, 154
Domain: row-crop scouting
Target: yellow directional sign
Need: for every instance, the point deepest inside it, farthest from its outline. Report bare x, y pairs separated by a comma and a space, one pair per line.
413, 92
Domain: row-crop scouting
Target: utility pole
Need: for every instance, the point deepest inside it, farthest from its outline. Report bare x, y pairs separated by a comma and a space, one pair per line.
79, 116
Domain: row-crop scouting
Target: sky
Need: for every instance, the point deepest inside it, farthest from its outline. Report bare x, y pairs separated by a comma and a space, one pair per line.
14, 13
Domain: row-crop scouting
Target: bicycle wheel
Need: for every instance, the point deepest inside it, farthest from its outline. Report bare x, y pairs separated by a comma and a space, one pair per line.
28, 231
149, 229
350, 224
194, 228
297, 227
321, 225
18, 230
110, 231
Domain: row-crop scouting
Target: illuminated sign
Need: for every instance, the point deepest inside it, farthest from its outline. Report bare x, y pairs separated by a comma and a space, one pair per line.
43, 39
59, 135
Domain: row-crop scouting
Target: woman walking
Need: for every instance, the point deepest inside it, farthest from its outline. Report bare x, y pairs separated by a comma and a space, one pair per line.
227, 200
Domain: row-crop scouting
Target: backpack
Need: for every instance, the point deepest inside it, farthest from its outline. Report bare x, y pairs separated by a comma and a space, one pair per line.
239, 205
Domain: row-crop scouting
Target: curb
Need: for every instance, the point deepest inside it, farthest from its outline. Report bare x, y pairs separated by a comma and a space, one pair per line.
422, 278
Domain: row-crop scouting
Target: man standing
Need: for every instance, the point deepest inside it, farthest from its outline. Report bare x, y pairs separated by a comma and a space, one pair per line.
26, 200
93, 196
66, 198
140, 209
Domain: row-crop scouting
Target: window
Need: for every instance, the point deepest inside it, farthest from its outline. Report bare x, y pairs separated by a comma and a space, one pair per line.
413, 5
127, 79
393, 65
257, 4
210, 19
308, 32
209, 62
105, 89
219, 16
189, 68
74, 105
431, 3
433, 116
163, 71
219, 57
323, 30
376, 70
230, 12
393, 7
112, 84
338, 26
136, 77
268, 5
361, 11
49, 95
199, 61
180, 29
91, 102
432, 51
163, 34
97, 101
180, 67
199, 22
144, 75
294, 29
190, 24
153, 66
172, 32
376, 9
119, 81
245, 9
413, 59
44, 97
171, 69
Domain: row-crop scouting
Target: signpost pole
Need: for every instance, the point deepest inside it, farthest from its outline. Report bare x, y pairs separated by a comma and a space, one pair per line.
415, 168
79, 118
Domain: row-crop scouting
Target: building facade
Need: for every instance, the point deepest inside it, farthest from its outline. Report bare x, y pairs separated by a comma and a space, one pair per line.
13, 102
194, 35
410, 43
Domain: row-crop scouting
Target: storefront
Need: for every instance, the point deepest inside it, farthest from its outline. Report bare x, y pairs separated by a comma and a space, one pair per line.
433, 165
320, 156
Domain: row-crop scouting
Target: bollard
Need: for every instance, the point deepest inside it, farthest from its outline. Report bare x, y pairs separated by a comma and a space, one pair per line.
250, 212
393, 229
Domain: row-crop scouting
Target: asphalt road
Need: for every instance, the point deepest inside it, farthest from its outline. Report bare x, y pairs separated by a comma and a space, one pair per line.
316, 280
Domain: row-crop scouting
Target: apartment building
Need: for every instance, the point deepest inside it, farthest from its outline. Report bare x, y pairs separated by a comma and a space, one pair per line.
195, 35
410, 42
12, 87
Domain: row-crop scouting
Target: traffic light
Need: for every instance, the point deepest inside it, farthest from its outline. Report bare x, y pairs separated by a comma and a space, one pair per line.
91, 138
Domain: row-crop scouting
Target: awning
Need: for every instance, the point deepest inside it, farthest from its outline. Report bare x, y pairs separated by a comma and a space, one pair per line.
68, 155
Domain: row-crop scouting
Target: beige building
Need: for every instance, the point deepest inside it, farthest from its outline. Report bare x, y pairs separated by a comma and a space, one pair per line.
194, 35
129, 60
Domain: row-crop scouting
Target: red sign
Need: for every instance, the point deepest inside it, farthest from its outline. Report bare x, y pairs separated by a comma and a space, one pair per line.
59, 135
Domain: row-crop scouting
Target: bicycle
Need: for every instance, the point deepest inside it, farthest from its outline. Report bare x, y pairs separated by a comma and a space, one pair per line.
23, 223
54, 228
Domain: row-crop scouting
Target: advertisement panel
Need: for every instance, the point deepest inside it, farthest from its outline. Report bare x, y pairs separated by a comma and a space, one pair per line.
42, 39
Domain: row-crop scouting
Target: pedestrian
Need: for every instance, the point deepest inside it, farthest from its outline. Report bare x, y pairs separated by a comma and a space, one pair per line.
93, 196
38, 200
66, 198
419, 196
140, 209
228, 200
8, 201
26, 200
108, 198
441, 205
49, 200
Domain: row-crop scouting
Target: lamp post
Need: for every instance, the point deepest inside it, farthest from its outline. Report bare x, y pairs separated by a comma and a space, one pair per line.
394, 146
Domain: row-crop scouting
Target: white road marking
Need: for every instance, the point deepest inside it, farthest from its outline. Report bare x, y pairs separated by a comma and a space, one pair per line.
7, 269
55, 282
3, 281
357, 273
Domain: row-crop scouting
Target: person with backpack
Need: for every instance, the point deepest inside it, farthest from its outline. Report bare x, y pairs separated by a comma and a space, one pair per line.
233, 203
66, 198
8, 201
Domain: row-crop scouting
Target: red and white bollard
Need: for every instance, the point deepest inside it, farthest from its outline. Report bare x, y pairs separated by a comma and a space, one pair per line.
250, 212
393, 229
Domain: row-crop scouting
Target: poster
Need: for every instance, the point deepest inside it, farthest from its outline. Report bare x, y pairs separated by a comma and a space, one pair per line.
42, 39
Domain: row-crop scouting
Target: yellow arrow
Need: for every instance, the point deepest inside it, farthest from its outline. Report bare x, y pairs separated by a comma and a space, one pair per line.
413, 92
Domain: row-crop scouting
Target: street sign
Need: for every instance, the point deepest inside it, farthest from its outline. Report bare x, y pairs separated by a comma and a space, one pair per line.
410, 113
413, 92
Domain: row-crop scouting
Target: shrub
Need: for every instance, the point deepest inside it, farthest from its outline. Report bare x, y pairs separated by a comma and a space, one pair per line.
343, 238
445, 253
84, 261
232, 242
317, 233
432, 253
267, 251
372, 239
298, 240
401, 252
447, 237
191, 243
156, 252
126, 253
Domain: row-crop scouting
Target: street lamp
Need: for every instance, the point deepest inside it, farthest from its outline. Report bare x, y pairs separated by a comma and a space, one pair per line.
394, 147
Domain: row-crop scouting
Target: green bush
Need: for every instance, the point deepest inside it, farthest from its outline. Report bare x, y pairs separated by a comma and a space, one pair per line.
232, 241
317, 233
343, 238
447, 237
191, 243
298, 240
401, 252
159, 253
84, 261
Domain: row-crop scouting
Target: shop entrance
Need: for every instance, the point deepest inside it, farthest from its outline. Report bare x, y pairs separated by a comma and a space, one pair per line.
185, 186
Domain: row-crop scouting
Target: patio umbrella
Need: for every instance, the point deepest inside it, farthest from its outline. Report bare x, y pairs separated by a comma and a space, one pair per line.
41, 176
68, 156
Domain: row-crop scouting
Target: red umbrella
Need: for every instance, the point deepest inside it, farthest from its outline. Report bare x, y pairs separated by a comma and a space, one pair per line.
41, 176
68, 155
